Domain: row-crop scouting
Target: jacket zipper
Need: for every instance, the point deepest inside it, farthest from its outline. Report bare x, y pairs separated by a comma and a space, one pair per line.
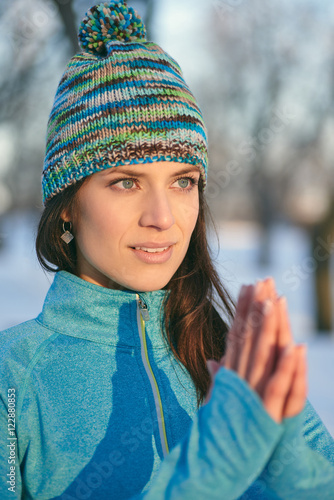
142, 316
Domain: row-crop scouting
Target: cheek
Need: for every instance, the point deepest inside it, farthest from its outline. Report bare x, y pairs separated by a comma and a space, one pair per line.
189, 217
96, 227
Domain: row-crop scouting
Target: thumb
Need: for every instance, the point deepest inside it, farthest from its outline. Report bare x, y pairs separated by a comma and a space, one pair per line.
213, 367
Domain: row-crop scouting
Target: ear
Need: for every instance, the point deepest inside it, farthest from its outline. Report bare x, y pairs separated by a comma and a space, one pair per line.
65, 215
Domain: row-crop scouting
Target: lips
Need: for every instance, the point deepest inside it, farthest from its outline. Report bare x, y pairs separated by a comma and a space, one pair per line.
149, 245
153, 253
151, 250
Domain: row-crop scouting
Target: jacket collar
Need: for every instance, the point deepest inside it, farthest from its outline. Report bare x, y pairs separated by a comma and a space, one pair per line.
81, 309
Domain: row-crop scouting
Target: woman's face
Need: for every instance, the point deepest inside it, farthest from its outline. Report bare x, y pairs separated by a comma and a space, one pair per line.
132, 224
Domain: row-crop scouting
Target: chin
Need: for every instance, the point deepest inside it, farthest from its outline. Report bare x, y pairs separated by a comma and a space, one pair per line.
142, 280
147, 285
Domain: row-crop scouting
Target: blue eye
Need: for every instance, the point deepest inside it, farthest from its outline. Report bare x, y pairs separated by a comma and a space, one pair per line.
183, 183
127, 183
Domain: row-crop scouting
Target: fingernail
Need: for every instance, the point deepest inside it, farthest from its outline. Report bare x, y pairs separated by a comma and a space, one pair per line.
267, 306
243, 291
282, 301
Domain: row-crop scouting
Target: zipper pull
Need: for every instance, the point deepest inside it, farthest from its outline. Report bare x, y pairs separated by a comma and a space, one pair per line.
143, 309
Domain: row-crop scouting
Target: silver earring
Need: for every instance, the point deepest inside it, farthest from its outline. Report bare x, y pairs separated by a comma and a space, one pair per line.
67, 236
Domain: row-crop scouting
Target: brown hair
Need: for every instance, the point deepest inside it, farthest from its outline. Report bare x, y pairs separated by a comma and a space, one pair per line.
52, 252
193, 328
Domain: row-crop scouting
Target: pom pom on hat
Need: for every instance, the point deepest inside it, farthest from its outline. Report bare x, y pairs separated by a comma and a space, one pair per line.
110, 21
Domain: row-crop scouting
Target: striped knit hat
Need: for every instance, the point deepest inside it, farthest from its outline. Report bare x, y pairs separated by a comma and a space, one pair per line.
121, 101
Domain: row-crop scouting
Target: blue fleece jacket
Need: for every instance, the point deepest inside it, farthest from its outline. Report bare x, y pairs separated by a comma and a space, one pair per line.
94, 406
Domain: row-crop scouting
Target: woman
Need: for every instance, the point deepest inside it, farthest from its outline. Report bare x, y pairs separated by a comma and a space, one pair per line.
107, 393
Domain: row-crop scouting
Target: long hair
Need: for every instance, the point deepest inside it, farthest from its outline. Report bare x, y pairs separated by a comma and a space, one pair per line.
194, 330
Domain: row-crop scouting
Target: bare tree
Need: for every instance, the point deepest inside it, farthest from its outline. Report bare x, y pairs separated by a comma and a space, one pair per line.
275, 104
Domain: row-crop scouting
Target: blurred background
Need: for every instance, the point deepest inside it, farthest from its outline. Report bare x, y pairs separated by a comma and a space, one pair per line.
263, 74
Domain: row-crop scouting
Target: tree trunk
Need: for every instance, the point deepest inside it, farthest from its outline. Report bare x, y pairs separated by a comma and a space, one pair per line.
149, 18
68, 17
264, 201
322, 237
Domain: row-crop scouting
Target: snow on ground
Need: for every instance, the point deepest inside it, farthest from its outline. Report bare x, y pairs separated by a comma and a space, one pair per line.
23, 286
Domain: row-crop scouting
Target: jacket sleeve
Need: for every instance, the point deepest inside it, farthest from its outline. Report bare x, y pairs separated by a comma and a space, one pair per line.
10, 477
302, 465
227, 447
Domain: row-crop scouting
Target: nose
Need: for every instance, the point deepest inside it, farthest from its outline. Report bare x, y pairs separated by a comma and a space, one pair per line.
157, 211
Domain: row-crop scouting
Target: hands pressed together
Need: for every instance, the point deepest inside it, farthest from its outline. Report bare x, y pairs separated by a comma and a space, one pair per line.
261, 350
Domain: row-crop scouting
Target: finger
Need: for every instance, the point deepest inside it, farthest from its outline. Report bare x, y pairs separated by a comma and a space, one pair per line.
222, 361
246, 327
244, 300
244, 331
262, 360
261, 291
213, 367
284, 337
278, 387
263, 356
298, 392
237, 333
268, 290
265, 293
253, 328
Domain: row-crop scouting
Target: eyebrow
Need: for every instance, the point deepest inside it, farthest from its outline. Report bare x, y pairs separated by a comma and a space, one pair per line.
133, 173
